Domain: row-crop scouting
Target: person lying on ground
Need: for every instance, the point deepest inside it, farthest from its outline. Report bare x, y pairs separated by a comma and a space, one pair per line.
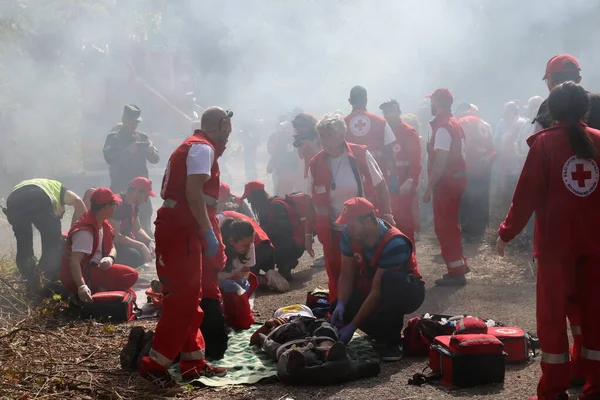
379, 281
134, 246
89, 258
226, 198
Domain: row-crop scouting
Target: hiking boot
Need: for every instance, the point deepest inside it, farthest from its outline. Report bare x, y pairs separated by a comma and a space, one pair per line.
318, 263
161, 379
145, 346
208, 371
451, 280
129, 353
295, 361
277, 282
337, 352
390, 353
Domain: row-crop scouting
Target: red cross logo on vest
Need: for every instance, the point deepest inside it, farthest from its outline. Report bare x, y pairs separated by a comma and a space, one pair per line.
580, 176
360, 125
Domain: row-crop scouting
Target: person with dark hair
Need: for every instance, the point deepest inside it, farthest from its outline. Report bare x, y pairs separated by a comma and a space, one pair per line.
134, 246
407, 157
126, 151
88, 264
447, 182
559, 182
281, 223
40, 203
371, 130
379, 281
306, 139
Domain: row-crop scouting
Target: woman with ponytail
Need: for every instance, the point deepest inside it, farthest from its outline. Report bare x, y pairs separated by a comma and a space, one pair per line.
559, 182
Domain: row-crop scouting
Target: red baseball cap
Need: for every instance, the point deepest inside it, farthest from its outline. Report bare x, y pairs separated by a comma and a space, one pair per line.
103, 196
561, 63
252, 186
143, 184
354, 208
224, 190
442, 95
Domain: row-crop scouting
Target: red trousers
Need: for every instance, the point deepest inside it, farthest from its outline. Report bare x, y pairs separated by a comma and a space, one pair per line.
333, 262
404, 213
567, 285
236, 308
446, 208
417, 213
118, 277
179, 267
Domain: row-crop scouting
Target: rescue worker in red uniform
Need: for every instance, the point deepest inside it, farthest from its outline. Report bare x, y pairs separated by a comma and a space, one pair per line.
559, 182
447, 182
379, 281
88, 264
187, 234
480, 155
370, 130
225, 197
340, 172
407, 156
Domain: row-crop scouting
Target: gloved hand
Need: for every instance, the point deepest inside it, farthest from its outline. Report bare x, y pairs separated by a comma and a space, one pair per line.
337, 318
228, 285
345, 334
105, 263
393, 184
85, 294
211, 242
244, 284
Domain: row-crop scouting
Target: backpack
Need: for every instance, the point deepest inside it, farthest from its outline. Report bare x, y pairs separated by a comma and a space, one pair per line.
298, 205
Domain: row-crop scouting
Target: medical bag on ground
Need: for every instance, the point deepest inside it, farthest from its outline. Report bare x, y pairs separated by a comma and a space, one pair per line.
516, 343
115, 306
467, 360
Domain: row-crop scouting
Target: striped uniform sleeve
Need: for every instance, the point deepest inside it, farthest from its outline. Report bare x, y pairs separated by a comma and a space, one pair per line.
395, 254
345, 247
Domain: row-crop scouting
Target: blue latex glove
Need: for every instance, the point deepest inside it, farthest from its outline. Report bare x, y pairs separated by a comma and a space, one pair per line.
244, 284
211, 242
345, 334
337, 318
228, 285
393, 185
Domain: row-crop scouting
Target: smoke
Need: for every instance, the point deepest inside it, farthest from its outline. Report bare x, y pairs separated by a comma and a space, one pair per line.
66, 66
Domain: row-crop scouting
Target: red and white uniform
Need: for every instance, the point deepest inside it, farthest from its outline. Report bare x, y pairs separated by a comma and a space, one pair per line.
407, 155
562, 190
480, 150
182, 268
448, 135
354, 161
371, 130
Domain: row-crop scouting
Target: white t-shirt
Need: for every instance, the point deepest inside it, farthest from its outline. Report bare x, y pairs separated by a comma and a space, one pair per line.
443, 140
200, 159
237, 264
346, 186
389, 136
83, 242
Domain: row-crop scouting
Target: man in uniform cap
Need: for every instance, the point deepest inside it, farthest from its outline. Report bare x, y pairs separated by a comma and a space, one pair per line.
126, 151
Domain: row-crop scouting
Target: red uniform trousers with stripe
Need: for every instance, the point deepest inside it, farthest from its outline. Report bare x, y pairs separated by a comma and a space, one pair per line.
403, 209
446, 208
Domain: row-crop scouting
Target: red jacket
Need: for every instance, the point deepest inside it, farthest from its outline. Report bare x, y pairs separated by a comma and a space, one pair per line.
367, 129
86, 223
260, 236
407, 154
321, 186
563, 192
480, 151
456, 167
174, 183
366, 272
307, 152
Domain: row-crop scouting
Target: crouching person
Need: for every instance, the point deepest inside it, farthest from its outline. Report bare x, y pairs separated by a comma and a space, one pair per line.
379, 281
89, 259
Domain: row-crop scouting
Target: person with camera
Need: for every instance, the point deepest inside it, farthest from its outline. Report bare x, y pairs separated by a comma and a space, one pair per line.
126, 151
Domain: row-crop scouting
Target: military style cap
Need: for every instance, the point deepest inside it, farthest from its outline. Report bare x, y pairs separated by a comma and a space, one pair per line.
131, 112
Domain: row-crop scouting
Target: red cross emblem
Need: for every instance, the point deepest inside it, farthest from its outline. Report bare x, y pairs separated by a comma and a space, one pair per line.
581, 175
360, 124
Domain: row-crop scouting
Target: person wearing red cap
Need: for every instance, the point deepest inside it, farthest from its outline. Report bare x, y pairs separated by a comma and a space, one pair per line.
281, 223
379, 281
229, 201
134, 246
339, 172
447, 181
189, 252
88, 264
370, 130
407, 156
559, 183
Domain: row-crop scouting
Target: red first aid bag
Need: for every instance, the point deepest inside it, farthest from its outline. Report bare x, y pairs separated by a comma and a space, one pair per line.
237, 310
516, 343
467, 360
116, 306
